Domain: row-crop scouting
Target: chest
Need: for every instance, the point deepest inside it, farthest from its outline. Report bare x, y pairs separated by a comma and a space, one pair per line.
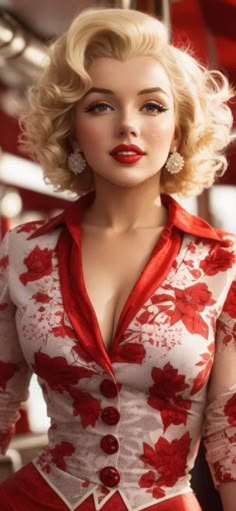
111, 266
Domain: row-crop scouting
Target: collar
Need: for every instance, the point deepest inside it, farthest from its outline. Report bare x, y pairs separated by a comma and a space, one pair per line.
177, 216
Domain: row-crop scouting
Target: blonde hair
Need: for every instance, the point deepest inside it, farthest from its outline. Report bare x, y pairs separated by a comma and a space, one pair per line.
203, 118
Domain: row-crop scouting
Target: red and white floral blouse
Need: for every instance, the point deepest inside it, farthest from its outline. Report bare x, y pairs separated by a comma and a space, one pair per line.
128, 420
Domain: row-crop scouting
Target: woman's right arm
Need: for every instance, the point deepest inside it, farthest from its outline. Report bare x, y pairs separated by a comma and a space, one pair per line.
14, 372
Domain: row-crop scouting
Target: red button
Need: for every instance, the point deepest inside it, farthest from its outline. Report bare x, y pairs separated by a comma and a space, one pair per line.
109, 444
110, 415
109, 476
108, 388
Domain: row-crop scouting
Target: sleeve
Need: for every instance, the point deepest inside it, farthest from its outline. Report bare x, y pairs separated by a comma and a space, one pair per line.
220, 425
14, 372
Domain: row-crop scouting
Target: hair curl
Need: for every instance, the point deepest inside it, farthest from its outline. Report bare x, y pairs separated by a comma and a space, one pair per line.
203, 117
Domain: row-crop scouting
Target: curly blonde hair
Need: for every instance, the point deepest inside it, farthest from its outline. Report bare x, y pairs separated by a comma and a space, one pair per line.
203, 118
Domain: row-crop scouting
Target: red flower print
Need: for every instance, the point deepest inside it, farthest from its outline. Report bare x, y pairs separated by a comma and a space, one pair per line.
80, 351
132, 353
147, 480
163, 395
227, 335
163, 302
58, 453
168, 459
4, 262
158, 492
144, 317
222, 474
30, 226
168, 382
191, 247
38, 263
189, 302
230, 303
220, 260
174, 412
57, 372
63, 330
195, 273
230, 410
7, 370
41, 297
150, 480
86, 406
206, 364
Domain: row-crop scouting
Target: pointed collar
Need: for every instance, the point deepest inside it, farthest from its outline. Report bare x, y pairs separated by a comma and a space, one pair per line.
177, 216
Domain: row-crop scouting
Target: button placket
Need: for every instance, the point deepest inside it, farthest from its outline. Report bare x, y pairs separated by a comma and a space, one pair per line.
110, 415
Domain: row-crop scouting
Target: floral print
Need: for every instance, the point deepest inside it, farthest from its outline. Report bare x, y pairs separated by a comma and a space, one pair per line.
38, 263
189, 303
58, 374
169, 459
165, 395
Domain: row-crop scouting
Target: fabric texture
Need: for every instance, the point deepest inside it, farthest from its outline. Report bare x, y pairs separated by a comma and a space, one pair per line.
125, 423
17, 495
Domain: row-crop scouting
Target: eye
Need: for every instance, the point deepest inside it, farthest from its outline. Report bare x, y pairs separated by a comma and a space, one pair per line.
154, 107
98, 108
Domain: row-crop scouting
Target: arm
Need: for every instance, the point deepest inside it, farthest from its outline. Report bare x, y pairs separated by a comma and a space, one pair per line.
220, 425
14, 373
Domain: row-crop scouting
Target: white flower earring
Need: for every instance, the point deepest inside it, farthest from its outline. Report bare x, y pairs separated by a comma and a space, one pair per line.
76, 161
174, 163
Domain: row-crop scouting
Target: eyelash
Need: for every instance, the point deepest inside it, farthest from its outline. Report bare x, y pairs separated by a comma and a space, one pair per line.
157, 106
101, 107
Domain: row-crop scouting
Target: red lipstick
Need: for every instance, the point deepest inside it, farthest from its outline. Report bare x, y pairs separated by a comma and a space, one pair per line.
127, 153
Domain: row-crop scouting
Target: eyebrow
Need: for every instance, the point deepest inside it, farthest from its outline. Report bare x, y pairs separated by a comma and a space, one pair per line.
108, 91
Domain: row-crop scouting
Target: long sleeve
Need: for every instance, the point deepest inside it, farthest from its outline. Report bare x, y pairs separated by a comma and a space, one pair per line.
14, 372
220, 424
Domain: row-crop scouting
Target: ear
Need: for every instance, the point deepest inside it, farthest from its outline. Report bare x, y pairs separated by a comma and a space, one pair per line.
175, 140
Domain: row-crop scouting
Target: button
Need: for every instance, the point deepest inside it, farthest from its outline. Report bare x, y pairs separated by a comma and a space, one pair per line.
109, 444
109, 476
108, 388
110, 415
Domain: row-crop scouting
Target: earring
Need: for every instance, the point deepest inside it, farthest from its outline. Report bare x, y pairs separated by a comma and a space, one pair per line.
76, 161
174, 163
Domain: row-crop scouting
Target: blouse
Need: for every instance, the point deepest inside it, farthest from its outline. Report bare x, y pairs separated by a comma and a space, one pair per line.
128, 419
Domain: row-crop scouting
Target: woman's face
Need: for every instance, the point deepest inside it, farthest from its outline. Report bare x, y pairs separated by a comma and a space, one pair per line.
125, 124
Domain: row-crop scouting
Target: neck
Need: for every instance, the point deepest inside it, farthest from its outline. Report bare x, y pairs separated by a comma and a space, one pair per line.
123, 209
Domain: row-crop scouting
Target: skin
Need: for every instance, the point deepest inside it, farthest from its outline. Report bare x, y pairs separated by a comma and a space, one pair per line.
126, 217
127, 116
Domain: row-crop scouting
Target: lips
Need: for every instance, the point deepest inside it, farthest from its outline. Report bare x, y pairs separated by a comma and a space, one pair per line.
124, 148
127, 154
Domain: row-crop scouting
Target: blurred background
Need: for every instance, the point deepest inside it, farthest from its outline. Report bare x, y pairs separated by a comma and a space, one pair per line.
26, 29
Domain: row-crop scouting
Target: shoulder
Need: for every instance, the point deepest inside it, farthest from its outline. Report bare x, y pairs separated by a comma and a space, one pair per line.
215, 256
23, 239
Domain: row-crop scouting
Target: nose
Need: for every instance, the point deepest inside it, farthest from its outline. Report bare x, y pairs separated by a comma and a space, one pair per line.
129, 126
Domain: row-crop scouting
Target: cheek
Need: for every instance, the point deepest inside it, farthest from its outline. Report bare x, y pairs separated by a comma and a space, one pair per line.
88, 133
163, 131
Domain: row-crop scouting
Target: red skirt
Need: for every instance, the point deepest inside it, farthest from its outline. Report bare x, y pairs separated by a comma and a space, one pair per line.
27, 490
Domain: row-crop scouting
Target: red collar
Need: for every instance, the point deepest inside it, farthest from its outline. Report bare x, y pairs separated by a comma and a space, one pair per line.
177, 216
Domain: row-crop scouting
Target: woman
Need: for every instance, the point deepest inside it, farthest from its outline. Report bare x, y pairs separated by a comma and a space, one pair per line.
123, 304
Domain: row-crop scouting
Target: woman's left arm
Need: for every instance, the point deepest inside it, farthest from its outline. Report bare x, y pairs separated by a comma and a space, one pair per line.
220, 423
